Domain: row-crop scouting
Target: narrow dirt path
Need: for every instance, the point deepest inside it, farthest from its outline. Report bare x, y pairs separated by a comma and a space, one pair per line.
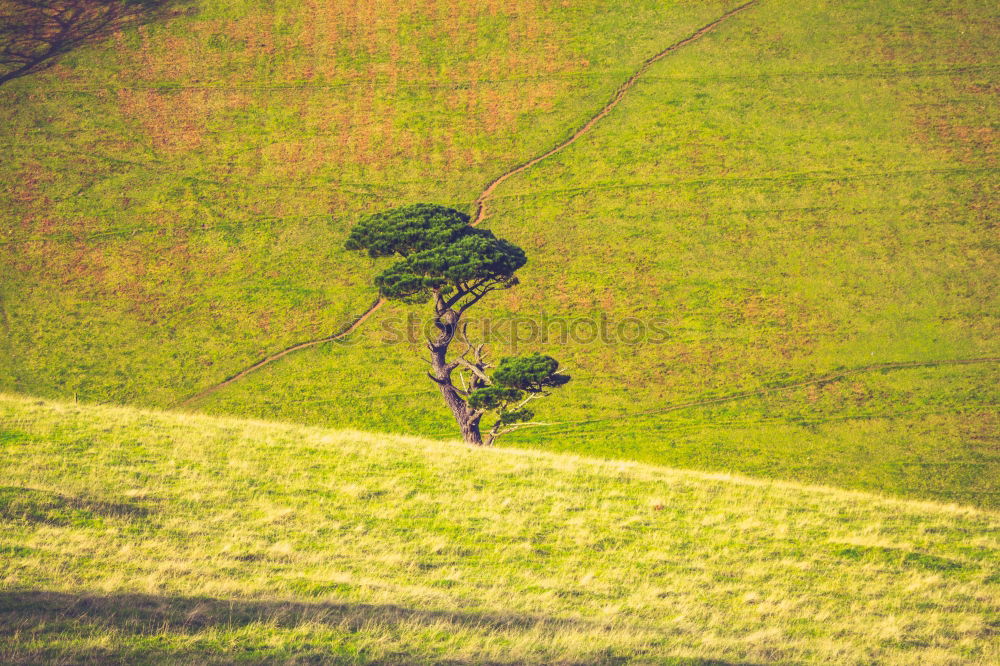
479, 205
284, 352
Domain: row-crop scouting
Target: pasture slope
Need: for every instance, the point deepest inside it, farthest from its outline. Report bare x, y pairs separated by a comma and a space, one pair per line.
176, 197
801, 199
140, 536
478, 206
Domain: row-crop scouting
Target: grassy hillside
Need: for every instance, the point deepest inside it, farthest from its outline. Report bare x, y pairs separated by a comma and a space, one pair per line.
805, 190
135, 535
788, 203
176, 197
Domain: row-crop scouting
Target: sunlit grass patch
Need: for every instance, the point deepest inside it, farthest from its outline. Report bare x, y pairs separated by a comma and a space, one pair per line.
148, 536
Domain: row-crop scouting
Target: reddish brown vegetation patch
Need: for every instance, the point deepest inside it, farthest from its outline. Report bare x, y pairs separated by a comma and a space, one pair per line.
304, 58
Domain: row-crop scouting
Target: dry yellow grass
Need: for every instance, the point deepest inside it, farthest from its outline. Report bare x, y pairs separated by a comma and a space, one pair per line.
147, 536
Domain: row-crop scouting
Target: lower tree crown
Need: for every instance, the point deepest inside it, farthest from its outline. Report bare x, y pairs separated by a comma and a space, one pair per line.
515, 380
529, 373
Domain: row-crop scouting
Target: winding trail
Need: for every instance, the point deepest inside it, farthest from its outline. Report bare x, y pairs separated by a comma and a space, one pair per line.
479, 205
379, 302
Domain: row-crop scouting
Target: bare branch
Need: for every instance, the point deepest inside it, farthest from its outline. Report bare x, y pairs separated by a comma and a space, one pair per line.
511, 427
476, 297
463, 333
499, 430
475, 370
438, 381
476, 382
531, 396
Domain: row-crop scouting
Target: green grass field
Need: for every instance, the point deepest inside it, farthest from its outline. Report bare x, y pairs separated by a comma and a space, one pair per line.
177, 197
139, 536
799, 198
771, 270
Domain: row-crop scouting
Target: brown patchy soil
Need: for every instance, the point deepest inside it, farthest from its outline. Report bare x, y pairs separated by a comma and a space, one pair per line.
344, 42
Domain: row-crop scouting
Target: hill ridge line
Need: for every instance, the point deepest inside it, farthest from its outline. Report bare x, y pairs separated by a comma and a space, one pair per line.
639, 468
479, 204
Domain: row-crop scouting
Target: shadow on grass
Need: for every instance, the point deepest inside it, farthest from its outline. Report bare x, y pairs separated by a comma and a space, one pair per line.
34, 506
55, 628
34, 33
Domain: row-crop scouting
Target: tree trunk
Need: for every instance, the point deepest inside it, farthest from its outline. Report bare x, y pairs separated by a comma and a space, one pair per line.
470, 431
468, 422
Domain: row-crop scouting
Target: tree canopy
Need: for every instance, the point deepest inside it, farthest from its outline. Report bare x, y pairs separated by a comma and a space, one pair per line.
533, 373
516, 381
439, 253
406, 230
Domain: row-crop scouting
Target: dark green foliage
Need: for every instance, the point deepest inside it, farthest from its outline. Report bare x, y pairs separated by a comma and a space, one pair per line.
493, 397
440, 252
515, 380
515, 416
529, 373
500, 399
473, 257
406, 230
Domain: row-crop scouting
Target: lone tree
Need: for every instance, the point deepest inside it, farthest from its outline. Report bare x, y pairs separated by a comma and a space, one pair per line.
444, 260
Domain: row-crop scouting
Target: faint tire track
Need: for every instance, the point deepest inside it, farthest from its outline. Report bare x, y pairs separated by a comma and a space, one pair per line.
781, 388
479, 205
